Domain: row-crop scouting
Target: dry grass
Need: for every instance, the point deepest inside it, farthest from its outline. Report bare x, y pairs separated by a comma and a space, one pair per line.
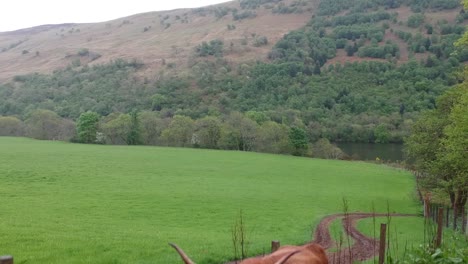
53, 47
125, 38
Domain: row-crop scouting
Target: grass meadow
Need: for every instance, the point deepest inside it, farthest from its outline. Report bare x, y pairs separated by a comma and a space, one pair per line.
72, 203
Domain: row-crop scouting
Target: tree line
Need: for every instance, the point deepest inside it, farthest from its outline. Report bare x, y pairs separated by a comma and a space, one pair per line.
243, 132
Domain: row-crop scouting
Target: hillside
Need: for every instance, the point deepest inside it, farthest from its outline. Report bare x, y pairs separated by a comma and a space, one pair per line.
170, 37
154, 38
342, 70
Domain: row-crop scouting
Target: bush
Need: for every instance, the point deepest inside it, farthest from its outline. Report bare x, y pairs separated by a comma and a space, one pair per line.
260, 41
244, 15
83, 52
415, 20
213, 48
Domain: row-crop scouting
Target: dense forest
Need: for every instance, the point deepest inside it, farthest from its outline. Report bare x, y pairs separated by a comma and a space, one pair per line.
298, 97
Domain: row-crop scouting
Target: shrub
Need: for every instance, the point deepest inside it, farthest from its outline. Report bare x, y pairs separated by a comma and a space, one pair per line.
260, 41
83, 52
415, 20
213, 48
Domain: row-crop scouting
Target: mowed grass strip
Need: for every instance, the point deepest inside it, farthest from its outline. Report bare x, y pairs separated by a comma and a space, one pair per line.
72, 203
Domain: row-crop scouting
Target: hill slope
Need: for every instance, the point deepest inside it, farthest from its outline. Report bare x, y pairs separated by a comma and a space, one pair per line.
244, 57
170, 37
152, 38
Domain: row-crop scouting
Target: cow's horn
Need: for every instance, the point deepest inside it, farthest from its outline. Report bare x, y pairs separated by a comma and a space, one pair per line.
182, 254
285, 258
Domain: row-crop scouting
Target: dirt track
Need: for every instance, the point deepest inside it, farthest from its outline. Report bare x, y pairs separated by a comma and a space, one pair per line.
362, 248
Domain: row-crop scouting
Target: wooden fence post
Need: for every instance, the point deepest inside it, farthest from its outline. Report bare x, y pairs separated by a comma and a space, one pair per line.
439, 226
275, 244
426, 208
6, 260
383, 238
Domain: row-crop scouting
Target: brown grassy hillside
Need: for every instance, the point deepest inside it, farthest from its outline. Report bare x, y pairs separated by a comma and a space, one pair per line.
155, 38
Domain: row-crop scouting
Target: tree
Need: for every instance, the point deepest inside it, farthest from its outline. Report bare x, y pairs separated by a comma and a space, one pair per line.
455, 144
151, 127
179, 133
238, 133
298, 140
117, 127
87, 127
325, 150
134, 135
46, 124
273, 138
438, 145
11, 126
208, 132
381, 134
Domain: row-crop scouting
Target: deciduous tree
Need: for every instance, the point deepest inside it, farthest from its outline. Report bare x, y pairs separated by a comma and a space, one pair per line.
298, 140
87, 127
11, 126
438, 145
46, 124
179, 132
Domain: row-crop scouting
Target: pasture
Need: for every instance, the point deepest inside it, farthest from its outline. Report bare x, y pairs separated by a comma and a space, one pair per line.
72, 203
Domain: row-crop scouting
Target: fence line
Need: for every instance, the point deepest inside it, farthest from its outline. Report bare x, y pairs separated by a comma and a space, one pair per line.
454, 220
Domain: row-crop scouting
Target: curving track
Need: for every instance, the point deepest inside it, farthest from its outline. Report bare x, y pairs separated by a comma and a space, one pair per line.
363, 247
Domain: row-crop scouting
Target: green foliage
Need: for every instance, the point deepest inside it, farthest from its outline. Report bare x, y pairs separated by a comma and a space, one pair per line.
374, 51
438, 143
298, 139
304, 46
83, 52
420, 5
273, 138
406, 36
102, 89
46, 124
11, 126
116, 128
415, 20
326, 150
207, 132
425, 254
212, 48
238, 133
381, 134
87, 127
254, 4
179, 132
244, 15
358, 18
353, 32
220, 12
260, 41
134, 135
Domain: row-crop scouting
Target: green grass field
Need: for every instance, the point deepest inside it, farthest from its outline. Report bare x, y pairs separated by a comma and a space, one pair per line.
71, 203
